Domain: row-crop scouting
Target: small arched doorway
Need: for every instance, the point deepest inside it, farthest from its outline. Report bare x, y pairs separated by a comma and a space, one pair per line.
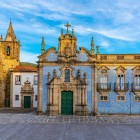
67, 103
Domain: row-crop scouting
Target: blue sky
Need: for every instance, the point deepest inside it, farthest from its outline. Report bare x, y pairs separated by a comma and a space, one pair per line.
114, 24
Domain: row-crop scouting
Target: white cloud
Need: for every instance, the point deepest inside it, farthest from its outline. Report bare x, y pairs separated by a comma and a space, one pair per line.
64, 7
55, 16
104, 44
114, 19
35, 28
118, 33
28, 57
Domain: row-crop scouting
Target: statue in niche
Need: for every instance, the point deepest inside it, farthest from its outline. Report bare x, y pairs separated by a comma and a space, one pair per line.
67, 51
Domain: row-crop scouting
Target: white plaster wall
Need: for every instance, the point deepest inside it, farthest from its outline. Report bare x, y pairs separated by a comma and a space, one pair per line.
17, 88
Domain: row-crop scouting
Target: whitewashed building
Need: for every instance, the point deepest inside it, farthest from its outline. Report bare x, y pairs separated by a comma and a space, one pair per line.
23, 87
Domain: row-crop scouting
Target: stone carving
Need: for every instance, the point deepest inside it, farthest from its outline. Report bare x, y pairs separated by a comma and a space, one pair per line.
27, 90
76, 84
66, 86
67, 51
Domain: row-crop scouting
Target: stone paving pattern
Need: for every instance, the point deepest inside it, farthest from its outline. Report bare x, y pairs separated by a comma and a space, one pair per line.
33, 118
29, 126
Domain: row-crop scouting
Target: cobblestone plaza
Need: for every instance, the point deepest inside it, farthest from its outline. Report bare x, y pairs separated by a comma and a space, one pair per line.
15, 126
33, 118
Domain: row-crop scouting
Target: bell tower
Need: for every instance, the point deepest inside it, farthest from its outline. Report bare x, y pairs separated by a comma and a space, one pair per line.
67, 45
10, 50
11, 46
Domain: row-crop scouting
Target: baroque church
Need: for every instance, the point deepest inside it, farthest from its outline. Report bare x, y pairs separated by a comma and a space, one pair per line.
74, 81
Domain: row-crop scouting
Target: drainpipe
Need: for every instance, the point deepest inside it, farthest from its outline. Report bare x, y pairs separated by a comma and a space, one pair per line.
130, 102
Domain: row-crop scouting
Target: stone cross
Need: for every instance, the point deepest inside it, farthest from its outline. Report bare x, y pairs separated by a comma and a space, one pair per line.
67, 26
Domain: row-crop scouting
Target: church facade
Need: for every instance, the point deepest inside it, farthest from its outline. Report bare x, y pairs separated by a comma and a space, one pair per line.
83, 82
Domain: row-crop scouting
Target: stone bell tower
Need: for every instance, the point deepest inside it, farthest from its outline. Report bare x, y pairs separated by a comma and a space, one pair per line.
67, 45
9, 58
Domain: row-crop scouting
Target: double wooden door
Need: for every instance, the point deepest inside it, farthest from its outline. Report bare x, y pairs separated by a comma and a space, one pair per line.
67, 103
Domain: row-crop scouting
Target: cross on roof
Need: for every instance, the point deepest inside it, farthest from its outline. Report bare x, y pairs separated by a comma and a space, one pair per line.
67, 26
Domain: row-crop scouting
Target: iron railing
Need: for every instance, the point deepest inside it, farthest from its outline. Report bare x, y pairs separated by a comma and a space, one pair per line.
121, 86
103, 86
135, 87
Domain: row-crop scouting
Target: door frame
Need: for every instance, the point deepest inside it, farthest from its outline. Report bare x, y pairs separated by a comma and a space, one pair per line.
72, 100
59, 96
24, 102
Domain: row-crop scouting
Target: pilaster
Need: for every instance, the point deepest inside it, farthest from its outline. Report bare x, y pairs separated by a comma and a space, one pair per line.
94, 90
39, 102
11, 91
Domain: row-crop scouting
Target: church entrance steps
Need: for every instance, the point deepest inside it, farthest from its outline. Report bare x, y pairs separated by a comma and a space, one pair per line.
16, 110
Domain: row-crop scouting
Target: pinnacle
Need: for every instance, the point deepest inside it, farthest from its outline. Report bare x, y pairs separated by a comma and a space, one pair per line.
10, 36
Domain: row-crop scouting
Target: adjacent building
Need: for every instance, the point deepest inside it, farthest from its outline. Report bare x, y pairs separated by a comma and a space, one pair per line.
23, 87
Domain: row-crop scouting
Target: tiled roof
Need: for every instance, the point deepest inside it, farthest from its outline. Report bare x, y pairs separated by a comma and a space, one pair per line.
25, 69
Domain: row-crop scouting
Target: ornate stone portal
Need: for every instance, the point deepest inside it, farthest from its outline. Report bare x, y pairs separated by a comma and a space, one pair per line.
76, 84
27, 90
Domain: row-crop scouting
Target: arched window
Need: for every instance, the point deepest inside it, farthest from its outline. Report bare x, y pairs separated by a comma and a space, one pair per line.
8, 51
17, 53
67, 75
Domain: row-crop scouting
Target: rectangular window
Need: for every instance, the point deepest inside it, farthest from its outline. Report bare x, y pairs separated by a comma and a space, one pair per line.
35, 97
35, 79
120, 98
137, 81
103, 81
136, 57
67, 75
18, 80
120, 82
103, 98
16, 97
103, 57
120, 57
137, 98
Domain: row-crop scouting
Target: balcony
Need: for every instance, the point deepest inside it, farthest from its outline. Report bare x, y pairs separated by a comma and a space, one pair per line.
122, 87
135, 87
103, 86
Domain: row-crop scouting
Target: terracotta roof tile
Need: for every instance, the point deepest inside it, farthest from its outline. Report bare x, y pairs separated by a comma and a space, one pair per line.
25, 69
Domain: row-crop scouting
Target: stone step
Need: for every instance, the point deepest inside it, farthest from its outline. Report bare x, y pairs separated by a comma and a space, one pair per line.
16, 110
